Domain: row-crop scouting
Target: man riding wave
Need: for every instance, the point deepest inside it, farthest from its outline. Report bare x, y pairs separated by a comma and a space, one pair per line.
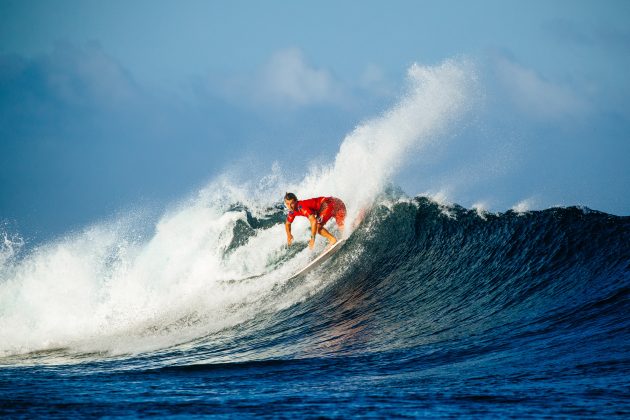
318, 211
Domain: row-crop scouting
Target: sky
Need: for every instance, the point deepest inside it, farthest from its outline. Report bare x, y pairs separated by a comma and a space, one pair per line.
108, 106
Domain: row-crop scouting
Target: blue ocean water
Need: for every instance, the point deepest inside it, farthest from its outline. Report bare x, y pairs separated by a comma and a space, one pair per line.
427, 311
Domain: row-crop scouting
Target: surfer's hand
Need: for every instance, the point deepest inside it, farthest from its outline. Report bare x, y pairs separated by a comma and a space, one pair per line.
311, 243
289, 240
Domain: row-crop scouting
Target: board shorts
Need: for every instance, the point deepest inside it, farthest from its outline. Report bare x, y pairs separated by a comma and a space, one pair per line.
332, 207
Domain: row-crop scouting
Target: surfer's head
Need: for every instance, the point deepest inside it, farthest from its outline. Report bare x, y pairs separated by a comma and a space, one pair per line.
290, 200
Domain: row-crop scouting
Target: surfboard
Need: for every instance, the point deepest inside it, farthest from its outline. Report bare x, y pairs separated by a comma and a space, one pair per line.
320, 259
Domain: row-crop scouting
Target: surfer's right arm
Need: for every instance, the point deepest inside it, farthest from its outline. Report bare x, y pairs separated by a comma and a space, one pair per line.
287, 227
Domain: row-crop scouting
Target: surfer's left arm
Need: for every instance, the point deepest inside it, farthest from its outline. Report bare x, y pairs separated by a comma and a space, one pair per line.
313, 221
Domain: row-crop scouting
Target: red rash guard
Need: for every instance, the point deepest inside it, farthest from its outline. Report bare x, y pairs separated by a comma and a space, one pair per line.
323, 208
306, 208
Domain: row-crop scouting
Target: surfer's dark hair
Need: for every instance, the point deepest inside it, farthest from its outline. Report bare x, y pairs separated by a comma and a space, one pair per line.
290, 196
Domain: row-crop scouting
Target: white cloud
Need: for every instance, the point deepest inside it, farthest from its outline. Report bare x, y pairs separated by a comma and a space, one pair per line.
285, 80
288, 79
535, 96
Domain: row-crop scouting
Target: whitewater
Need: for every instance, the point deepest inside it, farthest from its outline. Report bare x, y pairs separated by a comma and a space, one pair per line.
429, 308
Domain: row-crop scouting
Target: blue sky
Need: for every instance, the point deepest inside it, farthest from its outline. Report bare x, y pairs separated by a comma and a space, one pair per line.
109, 105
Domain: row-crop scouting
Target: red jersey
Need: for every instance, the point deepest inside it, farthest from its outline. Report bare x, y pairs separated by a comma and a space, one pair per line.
306, 208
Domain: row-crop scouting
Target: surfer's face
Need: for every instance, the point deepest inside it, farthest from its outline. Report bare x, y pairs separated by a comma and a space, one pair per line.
290, 204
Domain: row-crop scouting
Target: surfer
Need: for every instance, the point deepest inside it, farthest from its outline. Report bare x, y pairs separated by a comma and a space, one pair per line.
318, 211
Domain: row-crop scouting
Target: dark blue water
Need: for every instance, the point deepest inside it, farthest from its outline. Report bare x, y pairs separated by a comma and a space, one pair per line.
445, 313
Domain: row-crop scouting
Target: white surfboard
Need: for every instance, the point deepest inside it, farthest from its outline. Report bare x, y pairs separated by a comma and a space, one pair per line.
320, 259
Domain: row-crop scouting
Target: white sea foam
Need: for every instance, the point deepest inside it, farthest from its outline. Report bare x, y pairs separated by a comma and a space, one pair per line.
375, 151
524, 206
481, 207
106, 290
10, 246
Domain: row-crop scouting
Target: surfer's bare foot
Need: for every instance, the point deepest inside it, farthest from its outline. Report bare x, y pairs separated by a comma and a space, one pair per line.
331, 239
331, 242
